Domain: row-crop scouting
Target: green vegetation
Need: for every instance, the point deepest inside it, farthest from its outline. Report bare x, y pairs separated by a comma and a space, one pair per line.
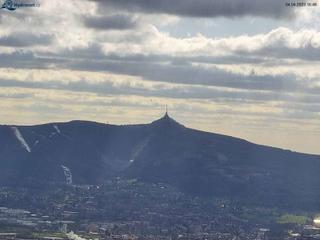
48, 234
294, 219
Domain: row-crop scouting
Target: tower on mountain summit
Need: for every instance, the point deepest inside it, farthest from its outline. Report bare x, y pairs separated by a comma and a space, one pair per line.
166, 121
166, 113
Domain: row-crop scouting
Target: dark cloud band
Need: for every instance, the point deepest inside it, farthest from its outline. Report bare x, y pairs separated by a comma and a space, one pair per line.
204, 8
25, 39
113, 22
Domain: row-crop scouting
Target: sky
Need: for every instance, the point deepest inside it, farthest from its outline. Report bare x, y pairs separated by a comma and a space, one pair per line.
245, 68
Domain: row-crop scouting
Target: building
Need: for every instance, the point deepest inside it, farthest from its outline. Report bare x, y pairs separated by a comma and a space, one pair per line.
8, 236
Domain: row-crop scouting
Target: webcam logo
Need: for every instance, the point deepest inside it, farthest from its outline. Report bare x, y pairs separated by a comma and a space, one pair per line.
12, 5
9, 4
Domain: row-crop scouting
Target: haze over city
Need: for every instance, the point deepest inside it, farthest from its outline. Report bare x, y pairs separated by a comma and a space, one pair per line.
249, 69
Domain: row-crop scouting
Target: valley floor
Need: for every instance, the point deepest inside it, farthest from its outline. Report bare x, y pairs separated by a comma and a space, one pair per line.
129, 209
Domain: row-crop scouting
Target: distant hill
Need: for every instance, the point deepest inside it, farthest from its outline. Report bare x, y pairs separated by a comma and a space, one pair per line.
196, 162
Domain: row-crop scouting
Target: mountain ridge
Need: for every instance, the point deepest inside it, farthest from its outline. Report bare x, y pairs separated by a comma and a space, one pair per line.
194, 161
155, 121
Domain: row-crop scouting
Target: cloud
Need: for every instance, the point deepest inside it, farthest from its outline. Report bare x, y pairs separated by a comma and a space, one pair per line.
189, 62
204, 8
15, 95
284, 43
180, 70
279, 43
25, 39
116, 86
188, 74
25, 59
164, 69
112, 22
